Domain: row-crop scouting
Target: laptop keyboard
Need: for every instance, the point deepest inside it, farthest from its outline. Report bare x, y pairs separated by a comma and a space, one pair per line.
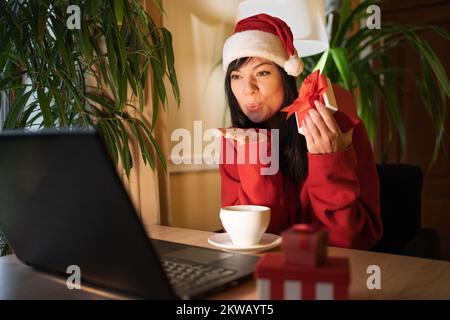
185, 276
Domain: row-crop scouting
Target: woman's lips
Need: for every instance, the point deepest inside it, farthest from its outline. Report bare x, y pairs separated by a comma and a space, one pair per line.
254, 107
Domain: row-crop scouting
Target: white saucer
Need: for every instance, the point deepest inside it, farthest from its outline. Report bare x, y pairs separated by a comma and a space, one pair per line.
223, 241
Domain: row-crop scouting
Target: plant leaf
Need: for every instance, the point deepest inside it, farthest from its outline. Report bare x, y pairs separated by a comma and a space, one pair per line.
167, 37
16, 108
340, 59
118, 11
322, 61
44, 105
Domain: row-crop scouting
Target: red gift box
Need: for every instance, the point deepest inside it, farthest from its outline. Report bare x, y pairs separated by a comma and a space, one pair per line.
333, 96
305, 244
278, 280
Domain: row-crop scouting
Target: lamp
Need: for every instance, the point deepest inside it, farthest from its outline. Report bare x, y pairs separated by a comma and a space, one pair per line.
306, 18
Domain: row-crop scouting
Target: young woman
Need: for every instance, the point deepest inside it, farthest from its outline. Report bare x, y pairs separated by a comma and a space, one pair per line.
327, 176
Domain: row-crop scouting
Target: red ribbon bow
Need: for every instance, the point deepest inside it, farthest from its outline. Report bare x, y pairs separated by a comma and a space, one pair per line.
312, 89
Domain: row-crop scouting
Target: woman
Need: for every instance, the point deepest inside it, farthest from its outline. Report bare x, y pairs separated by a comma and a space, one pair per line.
327, 176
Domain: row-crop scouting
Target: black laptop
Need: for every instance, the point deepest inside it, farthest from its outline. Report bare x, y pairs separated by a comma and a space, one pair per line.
62, 203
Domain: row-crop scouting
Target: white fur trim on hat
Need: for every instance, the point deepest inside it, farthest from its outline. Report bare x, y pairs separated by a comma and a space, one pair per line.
255, 43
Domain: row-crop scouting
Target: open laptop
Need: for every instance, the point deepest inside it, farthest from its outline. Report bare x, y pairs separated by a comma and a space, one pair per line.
62, 203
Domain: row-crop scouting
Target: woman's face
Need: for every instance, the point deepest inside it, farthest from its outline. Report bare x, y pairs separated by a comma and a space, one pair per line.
258, 89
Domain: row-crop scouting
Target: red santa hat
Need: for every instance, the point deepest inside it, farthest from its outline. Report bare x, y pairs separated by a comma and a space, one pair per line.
265, 37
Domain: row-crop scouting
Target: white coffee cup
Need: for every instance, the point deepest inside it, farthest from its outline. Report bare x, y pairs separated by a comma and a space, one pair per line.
245, 224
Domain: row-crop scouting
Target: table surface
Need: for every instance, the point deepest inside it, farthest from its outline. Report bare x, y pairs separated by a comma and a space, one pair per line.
401, 277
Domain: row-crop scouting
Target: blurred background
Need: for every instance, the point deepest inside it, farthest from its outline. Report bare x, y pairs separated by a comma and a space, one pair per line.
398, 74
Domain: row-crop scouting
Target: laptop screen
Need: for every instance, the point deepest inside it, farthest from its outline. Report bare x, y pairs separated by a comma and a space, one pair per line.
62, 203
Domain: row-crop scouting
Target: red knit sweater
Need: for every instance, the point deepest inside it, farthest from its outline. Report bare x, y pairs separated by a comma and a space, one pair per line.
341, 191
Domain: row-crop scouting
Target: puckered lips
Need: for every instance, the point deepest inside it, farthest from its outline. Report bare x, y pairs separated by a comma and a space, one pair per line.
254, 106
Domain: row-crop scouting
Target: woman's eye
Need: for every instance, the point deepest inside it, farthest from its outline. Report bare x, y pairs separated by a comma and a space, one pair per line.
263, 73
234, 76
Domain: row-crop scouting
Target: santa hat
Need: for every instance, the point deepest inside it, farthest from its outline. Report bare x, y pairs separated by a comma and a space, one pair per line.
265, 37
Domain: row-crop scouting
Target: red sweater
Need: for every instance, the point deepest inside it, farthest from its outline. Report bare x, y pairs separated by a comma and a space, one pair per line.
341, 191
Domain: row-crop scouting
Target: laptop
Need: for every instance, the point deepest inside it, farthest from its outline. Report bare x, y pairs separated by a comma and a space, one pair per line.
62, 204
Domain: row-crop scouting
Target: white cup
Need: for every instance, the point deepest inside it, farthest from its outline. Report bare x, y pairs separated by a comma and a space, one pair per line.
245, 224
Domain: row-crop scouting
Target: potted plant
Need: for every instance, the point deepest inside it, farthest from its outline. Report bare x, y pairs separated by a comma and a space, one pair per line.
359, 59
54, 76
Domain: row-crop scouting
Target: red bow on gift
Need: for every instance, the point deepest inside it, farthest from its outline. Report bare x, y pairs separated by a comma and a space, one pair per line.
312, 89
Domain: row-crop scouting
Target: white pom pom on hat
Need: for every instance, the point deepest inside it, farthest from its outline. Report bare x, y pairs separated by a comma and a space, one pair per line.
263, 36
293, 66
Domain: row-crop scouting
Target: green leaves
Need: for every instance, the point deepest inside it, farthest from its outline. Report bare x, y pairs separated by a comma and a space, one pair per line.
90, 76
45, 108
16, 108
349, 18
340, 60
167, 40
118, 11
435, 102
322, 61
41, 20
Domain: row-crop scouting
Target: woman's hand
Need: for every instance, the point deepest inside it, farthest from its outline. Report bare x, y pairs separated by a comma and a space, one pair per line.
242, 136
322, 133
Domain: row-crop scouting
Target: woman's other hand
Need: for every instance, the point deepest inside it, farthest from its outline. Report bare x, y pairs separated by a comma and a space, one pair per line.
242, 136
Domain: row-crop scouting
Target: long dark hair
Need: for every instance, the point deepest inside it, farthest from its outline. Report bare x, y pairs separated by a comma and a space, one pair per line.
293, 156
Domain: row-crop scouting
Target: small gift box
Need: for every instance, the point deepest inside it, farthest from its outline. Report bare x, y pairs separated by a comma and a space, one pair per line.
278, 280
305, 244
333, 96
302, 270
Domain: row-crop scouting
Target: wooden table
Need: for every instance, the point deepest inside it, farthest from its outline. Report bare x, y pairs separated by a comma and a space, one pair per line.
401, 277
